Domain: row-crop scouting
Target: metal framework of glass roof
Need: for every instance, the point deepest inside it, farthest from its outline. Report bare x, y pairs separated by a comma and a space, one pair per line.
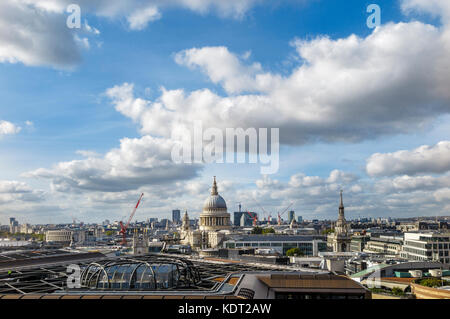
147, 273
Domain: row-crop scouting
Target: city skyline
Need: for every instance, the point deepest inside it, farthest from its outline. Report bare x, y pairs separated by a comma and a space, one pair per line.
87, 115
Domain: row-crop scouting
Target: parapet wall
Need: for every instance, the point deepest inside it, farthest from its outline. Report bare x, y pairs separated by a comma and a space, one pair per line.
423, 292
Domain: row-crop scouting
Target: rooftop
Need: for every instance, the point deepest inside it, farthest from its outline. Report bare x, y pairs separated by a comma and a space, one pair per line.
280, 237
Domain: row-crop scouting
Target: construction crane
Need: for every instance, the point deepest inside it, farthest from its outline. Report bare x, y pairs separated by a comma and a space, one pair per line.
254, 217
74, 220
269, 215
123, 229
279, 215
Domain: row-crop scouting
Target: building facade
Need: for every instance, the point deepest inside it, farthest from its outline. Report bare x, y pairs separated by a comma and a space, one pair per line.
176, 216
384, 245
237, 218
62, 236
358, 243
309, 245
291, 216
429, 246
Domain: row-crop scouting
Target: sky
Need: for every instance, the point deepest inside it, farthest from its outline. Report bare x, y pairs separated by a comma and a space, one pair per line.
88, 115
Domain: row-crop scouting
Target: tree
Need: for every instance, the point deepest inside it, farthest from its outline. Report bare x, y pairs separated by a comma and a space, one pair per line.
397, 291
294, 252
268, 231
257, 230
432, 282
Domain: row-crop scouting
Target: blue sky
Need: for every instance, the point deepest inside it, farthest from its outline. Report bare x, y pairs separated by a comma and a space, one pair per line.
70, 110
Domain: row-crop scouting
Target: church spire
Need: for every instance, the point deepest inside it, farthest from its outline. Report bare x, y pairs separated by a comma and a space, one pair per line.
341, 208
214, 188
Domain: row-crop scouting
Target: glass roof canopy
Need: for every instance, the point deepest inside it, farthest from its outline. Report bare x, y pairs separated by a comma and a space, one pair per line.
140, 274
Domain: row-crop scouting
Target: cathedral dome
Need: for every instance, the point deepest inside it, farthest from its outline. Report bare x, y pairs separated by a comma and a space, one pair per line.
214, 202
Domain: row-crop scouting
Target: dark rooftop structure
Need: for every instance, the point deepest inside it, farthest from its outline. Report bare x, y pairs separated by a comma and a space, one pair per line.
268, 237
165, 276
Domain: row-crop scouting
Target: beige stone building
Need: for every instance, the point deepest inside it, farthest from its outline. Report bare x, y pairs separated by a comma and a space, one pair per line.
214, 222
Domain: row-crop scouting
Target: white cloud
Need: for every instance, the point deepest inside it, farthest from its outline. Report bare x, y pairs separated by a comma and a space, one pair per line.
14, 187
82, 42
138, 162
424, 159
90, 29
440, 8
139, 19
8, 128
35, 36
390, 81
14, 191
442, 195
34, 32
226, 68
337, 176
411, 183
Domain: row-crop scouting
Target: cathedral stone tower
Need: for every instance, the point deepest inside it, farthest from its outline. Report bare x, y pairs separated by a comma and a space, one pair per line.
339, 241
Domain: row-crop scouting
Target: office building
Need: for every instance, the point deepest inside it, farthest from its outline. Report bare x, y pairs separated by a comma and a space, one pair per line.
63, 237
309, 245
237, 218
291, 216
431, 246
176, 216
386, 245
358, 243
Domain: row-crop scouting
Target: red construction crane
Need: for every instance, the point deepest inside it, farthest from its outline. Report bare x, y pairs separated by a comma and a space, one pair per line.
254, 217
269, 215
123, 229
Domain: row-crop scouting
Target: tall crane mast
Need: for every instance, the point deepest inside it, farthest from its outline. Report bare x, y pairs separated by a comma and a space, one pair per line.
254, 217
269, 215
123, 229
279, 215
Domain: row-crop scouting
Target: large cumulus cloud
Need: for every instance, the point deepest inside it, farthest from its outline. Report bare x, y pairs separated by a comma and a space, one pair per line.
424, 159
349, 89
138, 162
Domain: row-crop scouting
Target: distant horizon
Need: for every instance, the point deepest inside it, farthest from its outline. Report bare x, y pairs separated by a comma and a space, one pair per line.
427, 218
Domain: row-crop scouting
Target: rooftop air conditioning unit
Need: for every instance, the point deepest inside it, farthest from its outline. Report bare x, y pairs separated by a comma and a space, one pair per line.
416, 273
436, 273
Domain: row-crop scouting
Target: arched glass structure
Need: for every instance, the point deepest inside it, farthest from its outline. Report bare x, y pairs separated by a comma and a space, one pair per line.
145, 273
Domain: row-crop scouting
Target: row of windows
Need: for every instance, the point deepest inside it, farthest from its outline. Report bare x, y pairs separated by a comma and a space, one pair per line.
434, 239
430, 247
285, 245
420, 258
417, 251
